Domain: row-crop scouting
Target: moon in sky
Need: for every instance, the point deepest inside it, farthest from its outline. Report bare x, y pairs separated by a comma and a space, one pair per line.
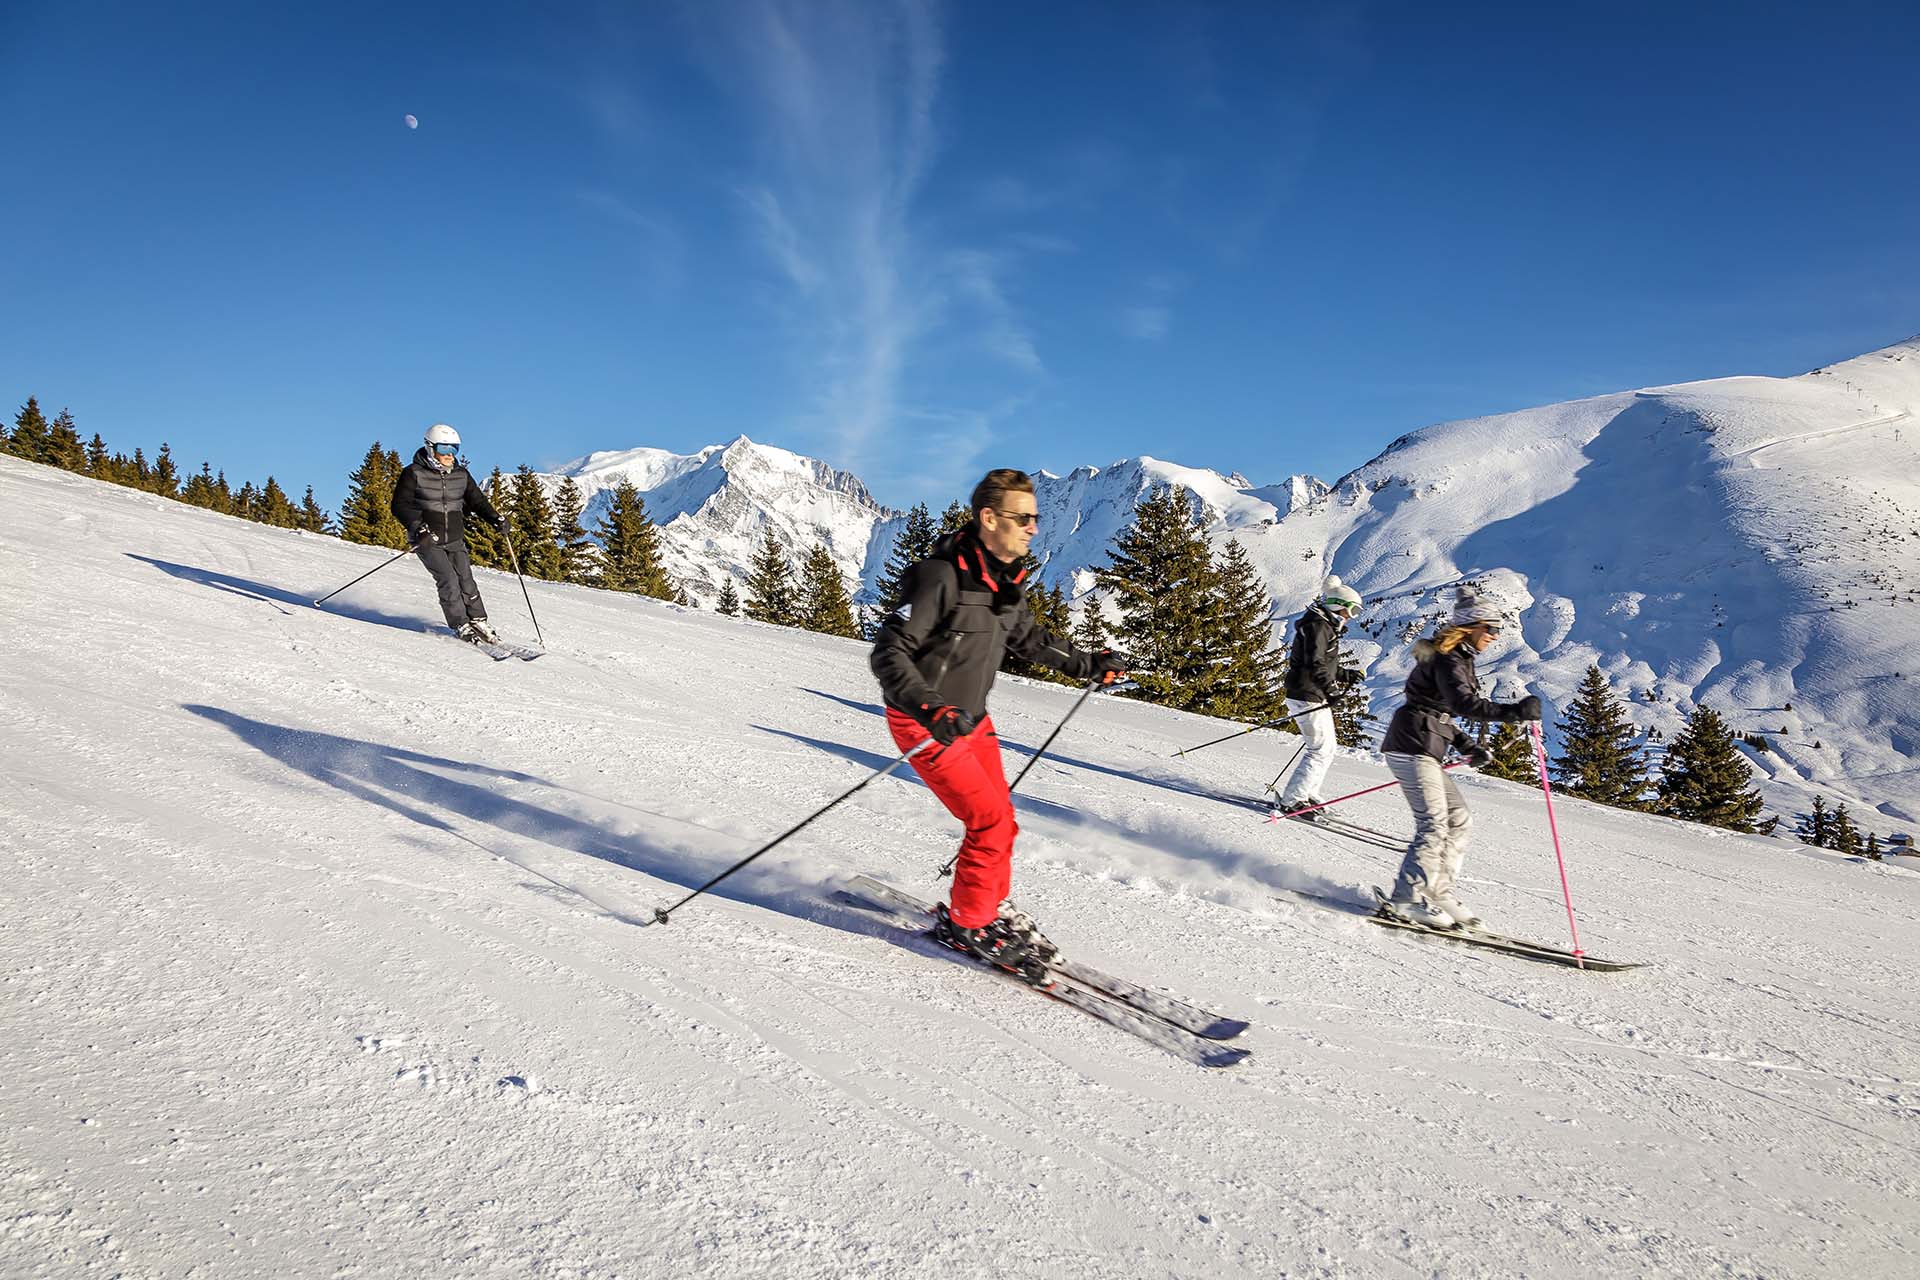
412, 123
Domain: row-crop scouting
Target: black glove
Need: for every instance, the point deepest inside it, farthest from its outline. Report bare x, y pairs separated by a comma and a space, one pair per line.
1110, 667
1528, 708
1351, 675
500, 523
426, 535
1476, 755
947, 724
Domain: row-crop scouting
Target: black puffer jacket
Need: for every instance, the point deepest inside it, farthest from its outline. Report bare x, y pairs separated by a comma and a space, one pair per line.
439, 499
959, 615
1313, 663
1442, 686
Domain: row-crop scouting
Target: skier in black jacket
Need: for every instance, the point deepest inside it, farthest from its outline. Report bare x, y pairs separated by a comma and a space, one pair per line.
960, 612
1443, 685
432, 499
1314, 676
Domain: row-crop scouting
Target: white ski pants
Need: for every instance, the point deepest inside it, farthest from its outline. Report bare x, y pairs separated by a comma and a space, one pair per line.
1317, 728
1440, 822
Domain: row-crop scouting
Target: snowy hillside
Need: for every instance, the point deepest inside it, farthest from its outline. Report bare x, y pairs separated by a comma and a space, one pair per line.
322, 954
716, 507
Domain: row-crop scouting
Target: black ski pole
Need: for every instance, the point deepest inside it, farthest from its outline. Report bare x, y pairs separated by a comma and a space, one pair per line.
947, 869
1275, 784
660, 914
363, 577
1264, 724
511, 555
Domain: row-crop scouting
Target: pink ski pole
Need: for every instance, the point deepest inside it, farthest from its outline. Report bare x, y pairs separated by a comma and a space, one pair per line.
1540, 756
1353, 795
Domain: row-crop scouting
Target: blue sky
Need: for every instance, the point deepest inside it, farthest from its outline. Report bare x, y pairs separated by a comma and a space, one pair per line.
917, 240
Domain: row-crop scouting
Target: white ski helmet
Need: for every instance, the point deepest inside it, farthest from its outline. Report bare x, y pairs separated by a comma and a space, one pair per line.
1338, 595
441, 433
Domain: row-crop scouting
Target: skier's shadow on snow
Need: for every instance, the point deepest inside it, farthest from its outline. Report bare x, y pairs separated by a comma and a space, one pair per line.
276, 595
407, 783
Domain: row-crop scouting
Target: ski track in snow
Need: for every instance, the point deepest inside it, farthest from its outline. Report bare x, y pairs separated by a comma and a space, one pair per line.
323, 952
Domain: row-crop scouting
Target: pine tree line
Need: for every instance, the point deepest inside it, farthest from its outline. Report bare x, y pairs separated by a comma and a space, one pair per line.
1835, 829
57, 444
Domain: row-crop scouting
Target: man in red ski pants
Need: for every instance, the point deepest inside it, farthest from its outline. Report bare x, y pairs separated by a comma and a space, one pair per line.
961, 611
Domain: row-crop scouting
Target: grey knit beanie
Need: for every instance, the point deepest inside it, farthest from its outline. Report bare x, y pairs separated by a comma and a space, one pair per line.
1469, 609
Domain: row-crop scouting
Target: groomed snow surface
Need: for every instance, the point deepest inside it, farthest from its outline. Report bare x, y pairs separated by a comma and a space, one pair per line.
323, 955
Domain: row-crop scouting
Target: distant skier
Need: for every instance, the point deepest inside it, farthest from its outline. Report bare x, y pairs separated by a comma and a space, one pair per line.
962, 609
1443, 685
1314, 675
431, 501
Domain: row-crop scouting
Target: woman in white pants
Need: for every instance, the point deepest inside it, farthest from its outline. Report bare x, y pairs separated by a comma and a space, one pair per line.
1313, 676
1443, 685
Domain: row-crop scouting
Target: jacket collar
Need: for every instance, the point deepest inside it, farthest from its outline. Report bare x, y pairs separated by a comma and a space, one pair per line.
979, 570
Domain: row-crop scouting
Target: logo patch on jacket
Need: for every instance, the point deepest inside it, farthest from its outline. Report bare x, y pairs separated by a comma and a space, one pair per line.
904, 612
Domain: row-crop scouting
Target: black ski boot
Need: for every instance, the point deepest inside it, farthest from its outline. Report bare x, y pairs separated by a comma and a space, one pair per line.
1308, 810
1010, 942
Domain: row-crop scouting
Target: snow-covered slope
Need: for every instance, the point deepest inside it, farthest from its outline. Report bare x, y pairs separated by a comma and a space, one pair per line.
321, 949
716, 507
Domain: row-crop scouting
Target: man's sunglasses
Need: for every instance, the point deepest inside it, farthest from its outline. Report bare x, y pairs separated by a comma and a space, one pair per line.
1025, 519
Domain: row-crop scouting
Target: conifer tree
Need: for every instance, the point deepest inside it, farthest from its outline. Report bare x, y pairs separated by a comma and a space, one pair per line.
487, 546
29, 438
165, 478
956, 517
276, 508
770, 585
1049, 610
1873, 846
137, 474
729, 598
1815, 828
530, 517
1705, 778
823, 602
1245, 683
367, 514
246, 503
97, 459
64, 449
1090, 633
630, 546
314, 517
1598, 759
1352, 714
1513, 758
224, 494
199, 490
1846, 836
577, 556
1160, 576
914, 544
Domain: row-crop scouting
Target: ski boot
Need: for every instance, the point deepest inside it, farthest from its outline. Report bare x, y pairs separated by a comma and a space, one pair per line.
1411, 905
484, 630
470, 633
1461, 914
1308, 810
1011, 943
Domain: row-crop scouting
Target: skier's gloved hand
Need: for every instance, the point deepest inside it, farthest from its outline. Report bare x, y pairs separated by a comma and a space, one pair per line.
426, 535
1351, 675
947, 724
1528, 708
500, 523
1476, 755
1110, 667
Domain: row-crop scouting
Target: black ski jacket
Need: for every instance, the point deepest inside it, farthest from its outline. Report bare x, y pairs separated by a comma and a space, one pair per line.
438, 499
957, 619
1313, 663
1442, 686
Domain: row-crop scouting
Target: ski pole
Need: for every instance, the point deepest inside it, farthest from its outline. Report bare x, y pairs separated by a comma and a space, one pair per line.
363, 577
660, 914
1540, 756
947, 869
1354, 795
1275, 784
523, 590
1264, 724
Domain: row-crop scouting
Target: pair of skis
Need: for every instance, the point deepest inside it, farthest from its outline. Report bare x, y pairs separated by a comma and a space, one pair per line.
1384, 915
501, 650
1180, 1028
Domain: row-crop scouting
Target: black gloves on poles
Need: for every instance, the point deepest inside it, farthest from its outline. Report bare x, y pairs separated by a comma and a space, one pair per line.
947, 724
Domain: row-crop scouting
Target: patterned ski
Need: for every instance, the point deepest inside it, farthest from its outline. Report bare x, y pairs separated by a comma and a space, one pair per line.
1499, 942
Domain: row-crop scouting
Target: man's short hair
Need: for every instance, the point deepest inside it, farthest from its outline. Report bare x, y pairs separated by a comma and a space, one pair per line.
996, 485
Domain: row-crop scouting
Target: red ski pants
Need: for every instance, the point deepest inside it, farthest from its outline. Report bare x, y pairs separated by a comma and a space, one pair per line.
969, 780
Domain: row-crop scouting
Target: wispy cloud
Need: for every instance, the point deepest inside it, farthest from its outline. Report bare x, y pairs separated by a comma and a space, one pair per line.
1149, 324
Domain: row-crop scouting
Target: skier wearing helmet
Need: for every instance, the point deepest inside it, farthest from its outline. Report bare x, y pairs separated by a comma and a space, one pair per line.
1314, 676
434, 495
